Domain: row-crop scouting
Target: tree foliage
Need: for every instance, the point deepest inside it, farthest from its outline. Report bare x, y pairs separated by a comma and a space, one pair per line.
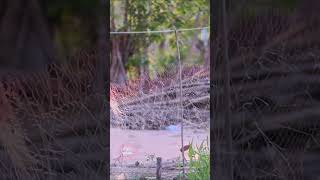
143, 15
74, 23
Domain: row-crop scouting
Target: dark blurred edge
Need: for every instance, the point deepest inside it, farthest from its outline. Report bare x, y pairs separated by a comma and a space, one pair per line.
307, 9
13, 47
103, 73
103, 78
213, 29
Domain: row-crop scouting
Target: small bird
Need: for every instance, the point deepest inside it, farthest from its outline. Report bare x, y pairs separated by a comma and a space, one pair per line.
137, 163
185, 148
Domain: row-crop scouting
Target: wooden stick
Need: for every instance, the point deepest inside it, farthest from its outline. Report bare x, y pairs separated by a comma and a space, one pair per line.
159, 168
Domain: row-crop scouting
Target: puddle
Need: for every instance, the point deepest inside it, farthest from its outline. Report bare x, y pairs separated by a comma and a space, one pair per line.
129, 146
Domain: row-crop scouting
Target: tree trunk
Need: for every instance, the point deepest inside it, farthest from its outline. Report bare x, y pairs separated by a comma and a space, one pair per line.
25, 41
207, 55
118, 73
117, 70
194, 51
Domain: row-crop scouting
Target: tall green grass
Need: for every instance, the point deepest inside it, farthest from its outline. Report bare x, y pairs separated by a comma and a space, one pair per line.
199, 163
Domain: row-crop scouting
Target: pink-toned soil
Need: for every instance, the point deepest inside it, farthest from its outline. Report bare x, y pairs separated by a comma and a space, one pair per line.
146, 145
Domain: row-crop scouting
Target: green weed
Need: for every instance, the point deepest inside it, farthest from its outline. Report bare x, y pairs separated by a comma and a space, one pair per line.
199, 163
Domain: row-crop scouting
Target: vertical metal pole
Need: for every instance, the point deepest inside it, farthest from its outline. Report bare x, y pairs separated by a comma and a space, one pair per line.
181, 106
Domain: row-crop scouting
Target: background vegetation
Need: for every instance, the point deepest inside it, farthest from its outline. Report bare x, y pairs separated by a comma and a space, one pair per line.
137, 54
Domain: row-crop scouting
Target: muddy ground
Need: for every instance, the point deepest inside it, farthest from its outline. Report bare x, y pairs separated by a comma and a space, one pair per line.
133, 152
